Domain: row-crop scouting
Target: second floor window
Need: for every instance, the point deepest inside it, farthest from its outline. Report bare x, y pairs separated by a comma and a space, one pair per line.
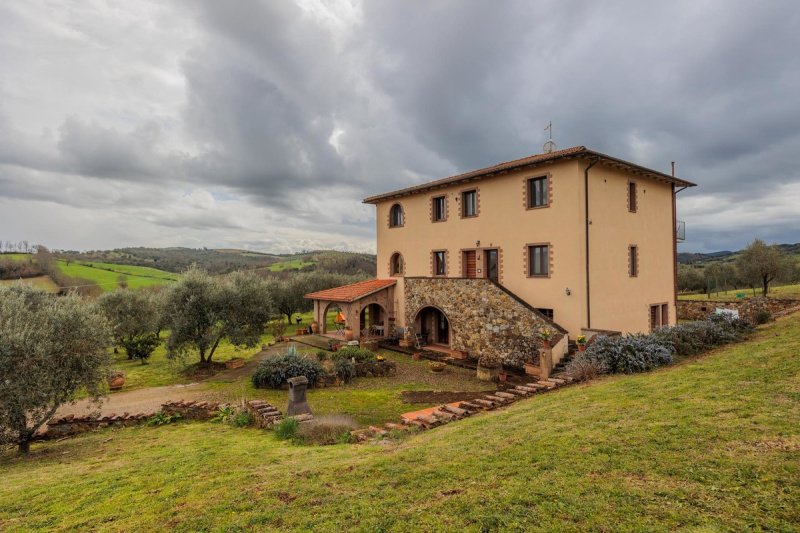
469, 203
633, 261
632, 196
396, 216
439, 265
538, 194
439, 209
539, 260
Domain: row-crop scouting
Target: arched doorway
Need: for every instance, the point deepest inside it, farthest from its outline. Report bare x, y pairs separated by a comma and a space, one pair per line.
333, 319
434, 326
373, 320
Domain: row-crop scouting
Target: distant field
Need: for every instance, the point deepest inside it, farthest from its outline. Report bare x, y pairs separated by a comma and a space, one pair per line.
16, 257
784, 291
107, 275
294, 264
39, 282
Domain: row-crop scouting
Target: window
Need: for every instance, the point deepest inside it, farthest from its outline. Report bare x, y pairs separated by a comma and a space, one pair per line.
439, 264
439, 209
396, 218
633, 261
396, 265
538, 193
659, 316
538, 260
469, 203
632, 196
546, 312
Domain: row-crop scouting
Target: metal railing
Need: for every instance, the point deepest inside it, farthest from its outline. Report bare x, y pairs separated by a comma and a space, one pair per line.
680, 231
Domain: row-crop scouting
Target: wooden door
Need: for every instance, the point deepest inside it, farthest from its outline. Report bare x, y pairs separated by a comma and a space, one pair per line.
470, 264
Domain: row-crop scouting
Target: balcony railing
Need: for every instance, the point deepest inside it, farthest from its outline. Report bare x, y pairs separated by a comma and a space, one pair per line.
680, 231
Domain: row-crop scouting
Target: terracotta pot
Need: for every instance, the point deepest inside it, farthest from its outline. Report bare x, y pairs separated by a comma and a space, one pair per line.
416, 356
348, 334
116, 383
581, 347
546, 343
298, 331
503, 376
315, 327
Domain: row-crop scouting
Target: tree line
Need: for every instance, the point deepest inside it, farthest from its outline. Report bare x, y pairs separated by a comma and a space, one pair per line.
758, 266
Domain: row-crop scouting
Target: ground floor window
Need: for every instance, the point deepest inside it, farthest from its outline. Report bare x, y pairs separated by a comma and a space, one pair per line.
659, 316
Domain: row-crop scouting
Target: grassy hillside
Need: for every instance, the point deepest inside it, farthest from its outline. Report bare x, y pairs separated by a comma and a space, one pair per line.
107, 275
710, 444
777, 291
40, 282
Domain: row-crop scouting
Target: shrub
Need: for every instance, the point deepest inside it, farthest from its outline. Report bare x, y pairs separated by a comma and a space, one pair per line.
141, 347
630, 354
233, 416
582, 368
161, 418
273, 372
322, 355
344, 370
287, 428
328, 429
361, 355
692, 338
762, 316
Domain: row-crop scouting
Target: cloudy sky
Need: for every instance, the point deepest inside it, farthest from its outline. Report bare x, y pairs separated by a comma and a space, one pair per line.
262, 125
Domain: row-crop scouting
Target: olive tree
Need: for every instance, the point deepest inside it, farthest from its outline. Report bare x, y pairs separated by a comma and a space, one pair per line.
51, 348
135, 318
760, 264
200, 311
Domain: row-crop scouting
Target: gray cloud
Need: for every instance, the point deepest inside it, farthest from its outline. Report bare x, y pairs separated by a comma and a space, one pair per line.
187, 116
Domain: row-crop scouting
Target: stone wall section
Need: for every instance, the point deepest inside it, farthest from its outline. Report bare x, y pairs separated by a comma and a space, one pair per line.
480, 314
702, 309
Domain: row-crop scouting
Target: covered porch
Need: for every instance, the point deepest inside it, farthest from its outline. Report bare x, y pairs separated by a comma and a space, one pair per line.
362, 309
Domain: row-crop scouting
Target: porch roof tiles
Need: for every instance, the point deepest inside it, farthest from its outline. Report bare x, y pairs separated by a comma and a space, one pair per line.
352, 292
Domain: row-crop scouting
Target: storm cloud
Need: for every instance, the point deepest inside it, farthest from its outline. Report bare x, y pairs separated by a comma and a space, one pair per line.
262, 125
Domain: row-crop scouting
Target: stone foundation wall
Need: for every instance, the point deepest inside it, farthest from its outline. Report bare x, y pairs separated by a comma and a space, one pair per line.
702, 309
376, 369
480, 314
192, 410
73, 425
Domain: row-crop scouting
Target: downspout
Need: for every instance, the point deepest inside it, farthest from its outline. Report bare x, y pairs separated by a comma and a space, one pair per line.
675, 242
587, 222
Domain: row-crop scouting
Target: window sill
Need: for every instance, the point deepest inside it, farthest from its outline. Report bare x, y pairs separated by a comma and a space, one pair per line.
538, 276
534, 207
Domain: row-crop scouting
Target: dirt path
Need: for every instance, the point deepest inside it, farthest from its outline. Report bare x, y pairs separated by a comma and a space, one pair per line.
149, 400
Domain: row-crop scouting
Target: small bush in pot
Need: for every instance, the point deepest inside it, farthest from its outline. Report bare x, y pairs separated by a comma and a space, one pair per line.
437, 366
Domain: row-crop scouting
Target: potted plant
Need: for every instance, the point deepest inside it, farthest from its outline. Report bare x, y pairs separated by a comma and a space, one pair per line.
116, 379
581, 340
348, 333
436, 366
380, 358
488, 368
503, 375
315, 327
416, 356
545, 335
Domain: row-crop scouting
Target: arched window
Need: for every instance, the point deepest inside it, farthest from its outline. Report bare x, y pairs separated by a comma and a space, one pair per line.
396, 264
396, 218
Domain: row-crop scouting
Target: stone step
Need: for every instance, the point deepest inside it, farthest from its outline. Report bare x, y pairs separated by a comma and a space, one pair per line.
377, 432
415, 423
470, 407
485, 404
496, 399
540, 385
444, 415
428, 421
527, 389
396, 427
555, 380
455, 410
505, 395
303, 417
519, 392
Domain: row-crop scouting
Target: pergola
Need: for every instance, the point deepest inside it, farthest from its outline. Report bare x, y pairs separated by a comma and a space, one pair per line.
376, 295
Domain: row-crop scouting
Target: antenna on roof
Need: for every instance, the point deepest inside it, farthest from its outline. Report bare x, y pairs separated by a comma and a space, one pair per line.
549, 146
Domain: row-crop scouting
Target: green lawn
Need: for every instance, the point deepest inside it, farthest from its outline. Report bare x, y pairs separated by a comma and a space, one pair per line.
294, 264
783, 291
108, 280
711, 444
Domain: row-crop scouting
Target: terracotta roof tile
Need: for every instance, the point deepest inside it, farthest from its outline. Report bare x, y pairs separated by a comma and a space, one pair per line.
352, 292
567, 153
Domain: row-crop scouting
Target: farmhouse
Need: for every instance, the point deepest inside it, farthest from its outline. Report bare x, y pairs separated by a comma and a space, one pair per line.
572, 240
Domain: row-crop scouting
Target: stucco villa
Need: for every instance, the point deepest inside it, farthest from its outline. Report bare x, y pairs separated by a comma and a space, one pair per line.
573, 240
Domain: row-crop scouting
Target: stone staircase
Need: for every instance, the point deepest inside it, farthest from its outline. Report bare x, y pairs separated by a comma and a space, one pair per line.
443, 414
